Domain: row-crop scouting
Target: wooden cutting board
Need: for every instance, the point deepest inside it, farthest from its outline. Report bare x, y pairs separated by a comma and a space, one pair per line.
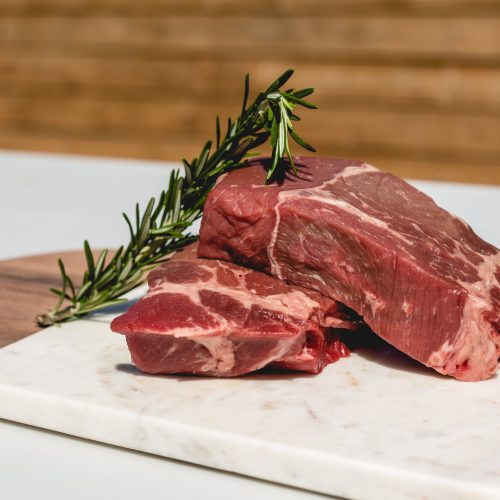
24, 290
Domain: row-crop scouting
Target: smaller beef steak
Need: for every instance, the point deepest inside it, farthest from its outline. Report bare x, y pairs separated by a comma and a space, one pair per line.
215, 318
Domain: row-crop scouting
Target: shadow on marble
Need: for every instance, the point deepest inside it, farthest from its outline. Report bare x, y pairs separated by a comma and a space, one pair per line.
102, 315
263, 374
371, 347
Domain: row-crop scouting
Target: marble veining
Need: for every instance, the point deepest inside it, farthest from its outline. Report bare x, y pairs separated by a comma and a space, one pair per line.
375, 425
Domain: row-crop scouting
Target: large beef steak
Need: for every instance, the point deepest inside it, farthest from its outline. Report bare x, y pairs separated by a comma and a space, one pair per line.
419, 276
215, 318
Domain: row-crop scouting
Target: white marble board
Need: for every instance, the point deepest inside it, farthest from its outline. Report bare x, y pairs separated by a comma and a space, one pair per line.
376, 425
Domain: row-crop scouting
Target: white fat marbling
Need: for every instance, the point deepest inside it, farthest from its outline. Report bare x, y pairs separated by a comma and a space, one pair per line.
376, 425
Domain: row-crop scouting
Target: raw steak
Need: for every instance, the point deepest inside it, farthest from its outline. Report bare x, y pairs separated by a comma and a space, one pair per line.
215, 318
419, 277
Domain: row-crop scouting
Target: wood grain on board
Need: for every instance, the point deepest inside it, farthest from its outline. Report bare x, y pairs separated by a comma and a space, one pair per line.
25, 290
411, 85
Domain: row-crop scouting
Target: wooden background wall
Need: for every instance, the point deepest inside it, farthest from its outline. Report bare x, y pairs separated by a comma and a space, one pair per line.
410, 85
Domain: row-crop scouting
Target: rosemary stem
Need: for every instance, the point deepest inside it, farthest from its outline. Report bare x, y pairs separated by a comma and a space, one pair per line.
163, 227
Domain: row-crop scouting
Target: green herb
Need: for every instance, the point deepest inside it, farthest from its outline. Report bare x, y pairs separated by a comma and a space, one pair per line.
162, 228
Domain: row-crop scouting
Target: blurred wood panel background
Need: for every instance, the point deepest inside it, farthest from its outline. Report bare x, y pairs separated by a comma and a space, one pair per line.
410, 85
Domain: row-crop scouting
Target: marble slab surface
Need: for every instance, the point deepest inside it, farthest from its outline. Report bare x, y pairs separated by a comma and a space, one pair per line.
376, 425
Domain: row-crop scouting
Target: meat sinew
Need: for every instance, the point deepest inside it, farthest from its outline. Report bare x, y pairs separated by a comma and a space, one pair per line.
214, 318
419, 276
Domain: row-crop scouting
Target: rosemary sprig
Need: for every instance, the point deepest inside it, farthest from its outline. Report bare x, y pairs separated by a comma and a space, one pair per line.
162, 228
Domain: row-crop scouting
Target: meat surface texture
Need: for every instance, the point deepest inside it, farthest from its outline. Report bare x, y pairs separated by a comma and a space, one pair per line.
215, 318
419, 276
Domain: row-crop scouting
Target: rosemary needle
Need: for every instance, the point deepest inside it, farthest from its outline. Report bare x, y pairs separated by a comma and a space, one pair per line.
163, 227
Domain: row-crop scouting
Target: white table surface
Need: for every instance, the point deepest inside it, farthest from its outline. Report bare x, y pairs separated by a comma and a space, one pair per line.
52, 202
